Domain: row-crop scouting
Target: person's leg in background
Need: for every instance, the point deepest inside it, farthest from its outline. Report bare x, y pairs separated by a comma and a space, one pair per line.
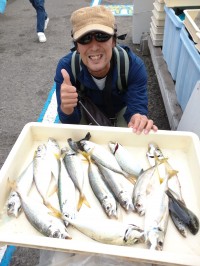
42, 18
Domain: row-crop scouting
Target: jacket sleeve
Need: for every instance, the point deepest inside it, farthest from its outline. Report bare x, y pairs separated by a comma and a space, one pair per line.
136, 95
74, 118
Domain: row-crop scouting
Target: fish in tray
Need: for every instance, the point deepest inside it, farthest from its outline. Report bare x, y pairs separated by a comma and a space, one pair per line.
154, 154
42, 171
124, 159
118, 185
24, 183
101, 190
182, 217
75, 169
157, 214
98, 153
54, 154
38, 215
144, 185
107, 231
66, 193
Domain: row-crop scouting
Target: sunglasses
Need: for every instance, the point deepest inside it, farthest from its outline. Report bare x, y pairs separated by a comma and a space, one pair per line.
99, 37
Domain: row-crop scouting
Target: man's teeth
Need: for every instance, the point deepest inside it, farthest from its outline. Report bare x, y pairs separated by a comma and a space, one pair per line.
95, 57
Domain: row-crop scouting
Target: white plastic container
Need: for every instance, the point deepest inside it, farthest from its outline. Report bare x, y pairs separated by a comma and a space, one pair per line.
174, 3
192, 23
182, 149
160, 14
159, 6
157, 29
158, 23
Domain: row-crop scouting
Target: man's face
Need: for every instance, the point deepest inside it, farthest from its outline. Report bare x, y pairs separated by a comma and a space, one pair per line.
96, 56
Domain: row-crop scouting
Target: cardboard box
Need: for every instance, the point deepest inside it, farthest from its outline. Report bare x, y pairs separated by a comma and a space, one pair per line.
182, 149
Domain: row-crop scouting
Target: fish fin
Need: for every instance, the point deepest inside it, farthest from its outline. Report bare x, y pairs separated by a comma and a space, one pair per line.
132, 179
53, 188
53, 211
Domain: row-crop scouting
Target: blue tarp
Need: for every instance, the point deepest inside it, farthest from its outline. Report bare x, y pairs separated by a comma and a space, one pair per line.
2, 6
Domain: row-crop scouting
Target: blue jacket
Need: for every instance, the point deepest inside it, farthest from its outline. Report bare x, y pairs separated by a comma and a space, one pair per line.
134, 97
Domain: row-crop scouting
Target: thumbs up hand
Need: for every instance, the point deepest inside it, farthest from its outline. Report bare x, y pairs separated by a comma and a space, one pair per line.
68, 94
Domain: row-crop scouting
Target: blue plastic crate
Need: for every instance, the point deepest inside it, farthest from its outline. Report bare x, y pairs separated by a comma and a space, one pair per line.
188, 69
171, 41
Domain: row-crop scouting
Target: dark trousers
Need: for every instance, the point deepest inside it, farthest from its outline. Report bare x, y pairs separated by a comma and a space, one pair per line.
41, 13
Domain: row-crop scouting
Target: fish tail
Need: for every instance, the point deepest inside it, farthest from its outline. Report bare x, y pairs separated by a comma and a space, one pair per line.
82, 200
132, 179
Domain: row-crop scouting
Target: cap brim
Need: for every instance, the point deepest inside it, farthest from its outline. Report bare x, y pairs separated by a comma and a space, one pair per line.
93, 27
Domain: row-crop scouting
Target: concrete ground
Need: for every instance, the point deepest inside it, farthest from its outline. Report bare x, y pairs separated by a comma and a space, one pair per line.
27, 70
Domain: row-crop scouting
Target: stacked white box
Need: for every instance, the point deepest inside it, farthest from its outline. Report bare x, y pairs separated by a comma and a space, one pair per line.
157, 23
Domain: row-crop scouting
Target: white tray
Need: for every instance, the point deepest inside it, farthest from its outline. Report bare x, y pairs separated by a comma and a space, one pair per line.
190, 23
182, 149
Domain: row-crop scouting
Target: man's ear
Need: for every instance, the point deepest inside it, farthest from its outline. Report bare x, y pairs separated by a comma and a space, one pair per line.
113, 43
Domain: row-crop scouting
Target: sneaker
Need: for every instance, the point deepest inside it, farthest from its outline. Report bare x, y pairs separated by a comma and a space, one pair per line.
41, 37
46, 23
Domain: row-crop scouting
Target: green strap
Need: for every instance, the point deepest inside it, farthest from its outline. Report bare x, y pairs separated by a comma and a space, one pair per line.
122, 67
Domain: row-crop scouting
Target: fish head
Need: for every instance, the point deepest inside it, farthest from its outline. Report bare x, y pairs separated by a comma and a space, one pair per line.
126, 201
113, 146
53, 146
155, 239
14, 204
67, 152
109, 207
133, 235
41, 151
86, 145
140, 205
57, 233
154, 153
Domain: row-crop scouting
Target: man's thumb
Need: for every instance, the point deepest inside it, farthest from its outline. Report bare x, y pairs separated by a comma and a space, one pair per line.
66, 77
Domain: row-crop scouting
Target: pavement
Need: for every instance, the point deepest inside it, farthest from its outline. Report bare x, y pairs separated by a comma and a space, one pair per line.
27, 70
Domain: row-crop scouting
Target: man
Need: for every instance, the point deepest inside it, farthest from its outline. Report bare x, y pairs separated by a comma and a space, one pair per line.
42, 19
94, 35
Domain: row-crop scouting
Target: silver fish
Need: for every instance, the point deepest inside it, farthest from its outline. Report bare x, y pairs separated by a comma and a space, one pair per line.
101, 156
101, 191
24, 183
109, 231
118, 186
178, 211
142, 188
75, 169
39, 216
154, 153
54, 153
124, 159
66, 193
42, 171
157, 215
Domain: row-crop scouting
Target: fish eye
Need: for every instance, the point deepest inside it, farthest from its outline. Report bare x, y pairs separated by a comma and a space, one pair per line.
57, 234
11, 205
